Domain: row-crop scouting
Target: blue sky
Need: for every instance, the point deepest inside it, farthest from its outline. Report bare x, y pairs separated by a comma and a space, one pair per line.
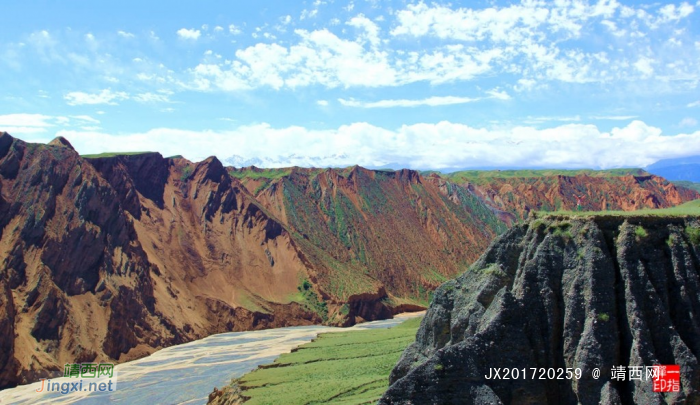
416, 84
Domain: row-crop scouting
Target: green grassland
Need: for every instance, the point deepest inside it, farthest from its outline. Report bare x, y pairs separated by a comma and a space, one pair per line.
479, 176
339, 368
691, 208
112, 154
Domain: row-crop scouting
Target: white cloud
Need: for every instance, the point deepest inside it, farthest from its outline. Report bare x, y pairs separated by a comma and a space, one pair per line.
308, 14
440, 145
688, 122
532, 43
208, 77
693, 104
106, 96
612, 27
19, 124
546, 40
672, 13
125, 34
525, 84
643, 64
540, 120
149, 97
185, 33
16, 124
499, 94
430, 101
218, 28
25, 120
320, 58
86, 118
233, 30
614, 117
369, 28
322, 103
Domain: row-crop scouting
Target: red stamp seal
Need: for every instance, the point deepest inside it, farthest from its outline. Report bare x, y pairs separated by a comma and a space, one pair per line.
667, 378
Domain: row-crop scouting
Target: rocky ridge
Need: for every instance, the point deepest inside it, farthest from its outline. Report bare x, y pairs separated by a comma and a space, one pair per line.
560, 292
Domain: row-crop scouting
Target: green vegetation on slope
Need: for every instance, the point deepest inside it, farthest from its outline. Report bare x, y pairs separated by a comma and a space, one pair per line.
341, 368
478, 176
186, 173
687, 184
269, 174
112, 154
691, 208
310, 300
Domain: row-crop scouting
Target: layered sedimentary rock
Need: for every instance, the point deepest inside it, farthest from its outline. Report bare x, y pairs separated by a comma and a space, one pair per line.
110, 257
557, 293
624, 190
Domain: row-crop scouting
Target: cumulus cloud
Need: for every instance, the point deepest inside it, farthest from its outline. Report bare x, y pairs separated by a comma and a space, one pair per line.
442, 145
320, 58
106, 96
531, 42
186, 33
370, 29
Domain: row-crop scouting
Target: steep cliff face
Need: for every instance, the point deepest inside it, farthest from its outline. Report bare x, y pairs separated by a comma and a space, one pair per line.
76, 283
563, 292
108, 259
397, 228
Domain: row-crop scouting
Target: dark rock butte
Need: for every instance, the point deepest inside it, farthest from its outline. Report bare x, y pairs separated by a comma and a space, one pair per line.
562, 292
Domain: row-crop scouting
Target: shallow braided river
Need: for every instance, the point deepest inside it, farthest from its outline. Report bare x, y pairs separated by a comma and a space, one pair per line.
187, 373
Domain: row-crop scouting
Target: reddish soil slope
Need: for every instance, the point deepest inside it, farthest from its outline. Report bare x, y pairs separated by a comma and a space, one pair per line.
111, 258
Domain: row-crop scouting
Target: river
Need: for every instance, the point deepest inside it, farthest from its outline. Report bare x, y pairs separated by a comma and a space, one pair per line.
187, 373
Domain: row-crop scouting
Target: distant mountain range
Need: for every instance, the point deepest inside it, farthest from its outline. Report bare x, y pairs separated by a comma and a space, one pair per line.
681, 169
340, 160
290, 160
684, 169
